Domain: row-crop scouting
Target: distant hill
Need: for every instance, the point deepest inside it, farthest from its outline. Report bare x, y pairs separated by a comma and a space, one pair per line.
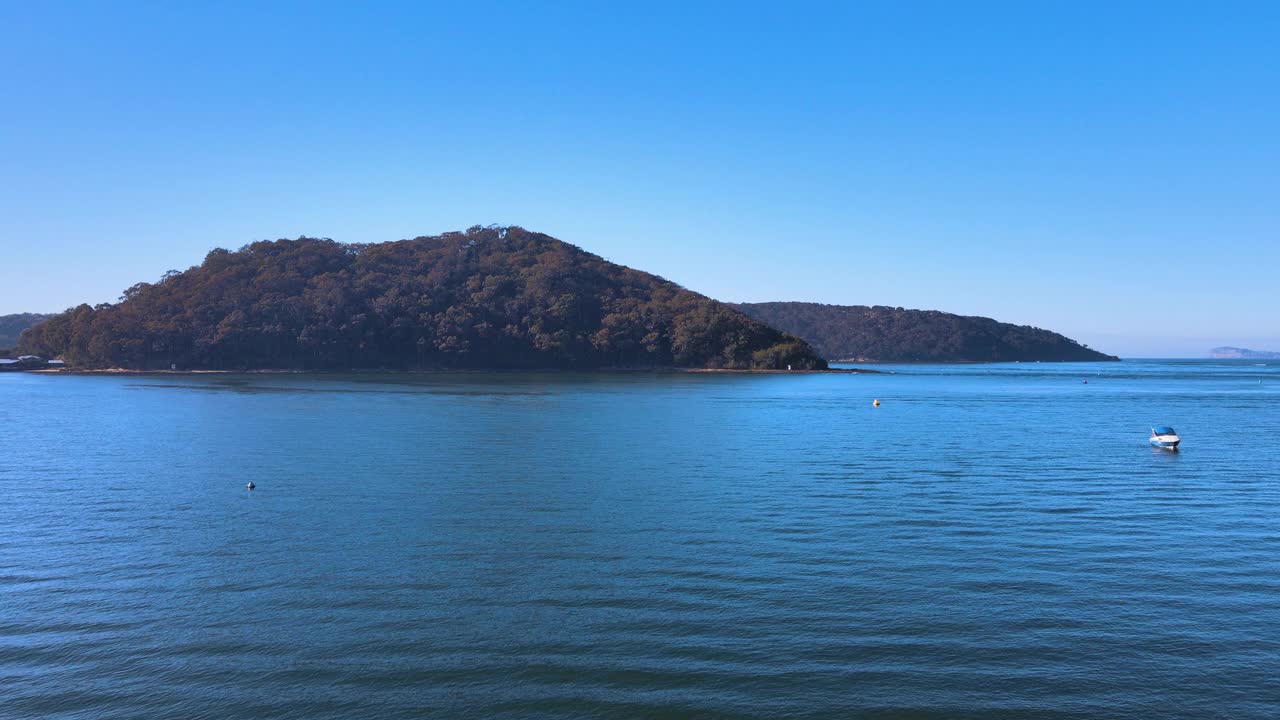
1230, 353
484, 298
11, 326
885, 334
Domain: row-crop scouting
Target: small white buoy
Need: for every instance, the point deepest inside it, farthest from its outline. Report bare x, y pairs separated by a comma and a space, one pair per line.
249, 485
875, 403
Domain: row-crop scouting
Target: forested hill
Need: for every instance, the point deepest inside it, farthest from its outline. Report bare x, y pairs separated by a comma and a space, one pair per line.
11, 326
484, 298
885, 334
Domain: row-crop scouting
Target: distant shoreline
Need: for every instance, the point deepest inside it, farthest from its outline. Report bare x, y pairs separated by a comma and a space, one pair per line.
459, 371
864, 361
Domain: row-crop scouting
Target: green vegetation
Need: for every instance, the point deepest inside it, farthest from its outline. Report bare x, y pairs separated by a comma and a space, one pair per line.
885, 334
487, 298
11, 326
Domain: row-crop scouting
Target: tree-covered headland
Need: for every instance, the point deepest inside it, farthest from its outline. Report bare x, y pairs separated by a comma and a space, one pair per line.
490, 297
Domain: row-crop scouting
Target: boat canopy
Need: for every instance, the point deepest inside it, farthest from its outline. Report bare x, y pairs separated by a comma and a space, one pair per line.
1164, 430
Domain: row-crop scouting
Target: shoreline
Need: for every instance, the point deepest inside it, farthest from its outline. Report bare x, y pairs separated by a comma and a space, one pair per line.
455, 371
864, 361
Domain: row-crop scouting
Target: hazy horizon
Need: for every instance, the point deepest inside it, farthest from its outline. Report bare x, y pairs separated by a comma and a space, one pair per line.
1107, 173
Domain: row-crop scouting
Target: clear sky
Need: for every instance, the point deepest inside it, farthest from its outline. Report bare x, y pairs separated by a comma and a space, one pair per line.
1108, 170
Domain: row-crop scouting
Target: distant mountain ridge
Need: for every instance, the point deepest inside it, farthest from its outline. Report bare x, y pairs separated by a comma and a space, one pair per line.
863, 333
490, 297
11, 326
1235, 353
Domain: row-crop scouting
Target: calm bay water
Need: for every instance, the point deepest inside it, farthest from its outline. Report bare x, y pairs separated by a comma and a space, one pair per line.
993, 541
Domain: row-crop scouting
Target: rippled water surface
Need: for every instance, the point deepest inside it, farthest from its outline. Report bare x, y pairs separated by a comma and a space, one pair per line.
992, 541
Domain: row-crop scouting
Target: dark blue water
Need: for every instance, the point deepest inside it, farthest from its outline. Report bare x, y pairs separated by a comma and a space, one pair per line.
993, 541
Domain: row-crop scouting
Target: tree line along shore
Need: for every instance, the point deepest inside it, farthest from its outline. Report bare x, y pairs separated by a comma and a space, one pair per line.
487, 298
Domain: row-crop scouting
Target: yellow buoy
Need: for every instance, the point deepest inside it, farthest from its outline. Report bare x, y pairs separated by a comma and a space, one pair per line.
876, 403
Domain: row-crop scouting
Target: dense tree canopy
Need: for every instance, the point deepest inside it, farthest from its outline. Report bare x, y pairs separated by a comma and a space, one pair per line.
485, 298
11, 326
885, 334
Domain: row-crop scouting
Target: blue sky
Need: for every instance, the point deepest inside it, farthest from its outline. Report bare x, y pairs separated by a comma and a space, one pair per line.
1108, 170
